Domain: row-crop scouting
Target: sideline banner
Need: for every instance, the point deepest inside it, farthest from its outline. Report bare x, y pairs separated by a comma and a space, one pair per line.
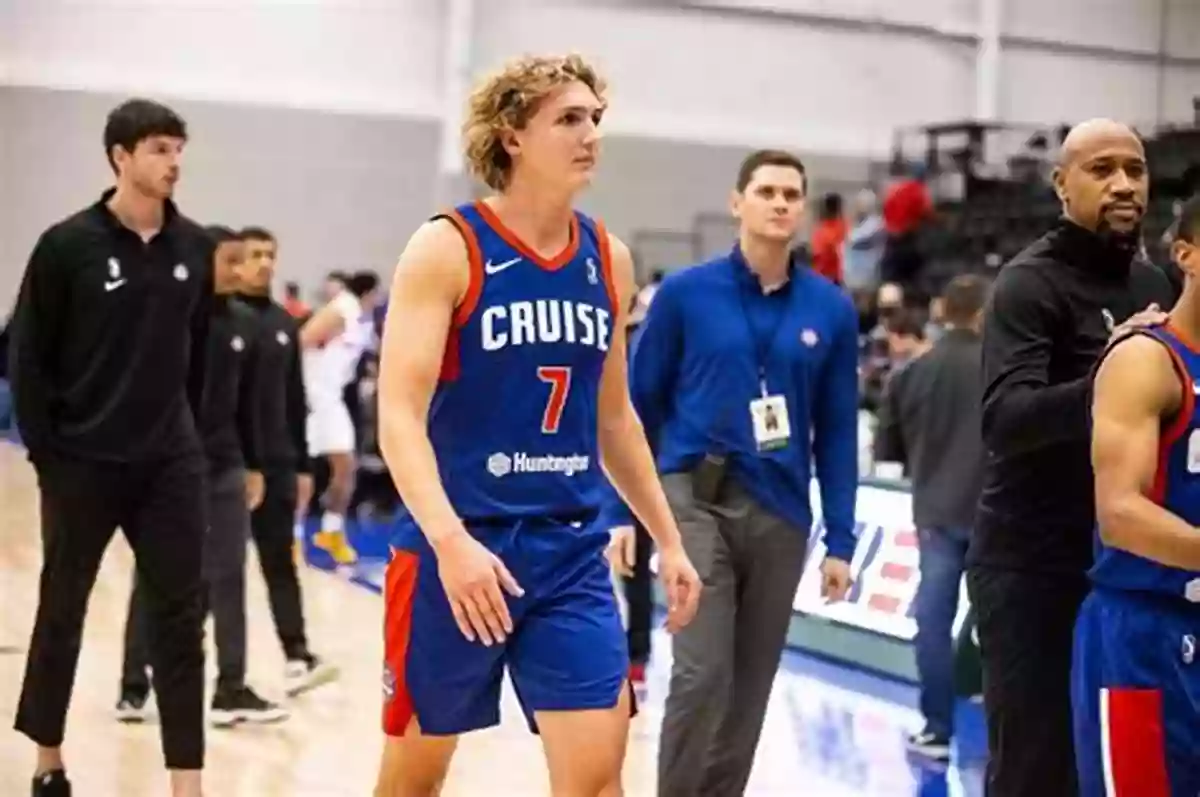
886, 567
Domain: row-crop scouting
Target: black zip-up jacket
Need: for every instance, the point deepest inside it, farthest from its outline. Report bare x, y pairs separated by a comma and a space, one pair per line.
282, 406
1050, 315
929, 421
230, 430
109, 336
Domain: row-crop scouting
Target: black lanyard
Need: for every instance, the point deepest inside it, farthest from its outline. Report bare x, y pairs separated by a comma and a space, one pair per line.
762, 346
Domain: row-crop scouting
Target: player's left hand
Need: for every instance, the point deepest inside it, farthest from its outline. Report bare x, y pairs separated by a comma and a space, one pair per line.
835, 579
682, 585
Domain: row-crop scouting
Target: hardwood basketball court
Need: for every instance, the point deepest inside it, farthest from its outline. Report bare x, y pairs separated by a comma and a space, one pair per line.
330, 746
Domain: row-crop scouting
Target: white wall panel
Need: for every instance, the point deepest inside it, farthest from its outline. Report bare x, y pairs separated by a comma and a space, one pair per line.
1043, 87
703, 76
1183, 30
959, 16
1120, 24
8, 16
352, 55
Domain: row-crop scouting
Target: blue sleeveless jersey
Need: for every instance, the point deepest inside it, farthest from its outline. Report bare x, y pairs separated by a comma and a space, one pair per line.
513, 421
1176, 489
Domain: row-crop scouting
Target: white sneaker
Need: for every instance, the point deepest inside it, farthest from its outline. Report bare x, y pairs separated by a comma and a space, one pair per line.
132, 709
930, 745
304, 675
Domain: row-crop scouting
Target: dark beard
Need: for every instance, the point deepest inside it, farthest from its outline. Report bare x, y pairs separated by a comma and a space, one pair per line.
1128, 241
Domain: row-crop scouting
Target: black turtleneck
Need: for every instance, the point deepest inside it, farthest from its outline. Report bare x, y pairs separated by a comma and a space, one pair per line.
1051, 313
282, 406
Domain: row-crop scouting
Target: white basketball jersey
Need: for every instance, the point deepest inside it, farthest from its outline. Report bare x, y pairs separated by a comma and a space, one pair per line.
329, 369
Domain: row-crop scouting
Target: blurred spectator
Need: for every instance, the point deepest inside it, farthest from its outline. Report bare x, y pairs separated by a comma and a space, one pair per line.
864, 305
6, 420
641, 302
889, 304
335, 283
935, 324
898, 338
828, 238
929, 422
864, 244
905, 339
292, 302
906, 208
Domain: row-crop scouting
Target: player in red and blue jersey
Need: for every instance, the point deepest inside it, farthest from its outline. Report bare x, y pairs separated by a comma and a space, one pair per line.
502, 386
1136, 677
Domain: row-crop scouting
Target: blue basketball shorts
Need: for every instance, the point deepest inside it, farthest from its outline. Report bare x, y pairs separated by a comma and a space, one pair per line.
1135, 691
568, 649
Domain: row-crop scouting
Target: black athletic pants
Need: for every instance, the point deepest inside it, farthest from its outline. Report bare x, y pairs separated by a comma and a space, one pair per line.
225, 579
160, 508
271, 527
639, 595
1026, 625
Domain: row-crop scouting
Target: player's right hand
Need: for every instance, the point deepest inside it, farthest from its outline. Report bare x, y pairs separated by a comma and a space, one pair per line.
472, 577
682, 585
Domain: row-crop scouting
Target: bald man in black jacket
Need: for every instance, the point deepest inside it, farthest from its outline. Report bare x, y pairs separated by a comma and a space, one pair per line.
1053, 309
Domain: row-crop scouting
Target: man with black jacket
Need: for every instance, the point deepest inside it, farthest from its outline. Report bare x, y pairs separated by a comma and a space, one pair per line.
108, 353
287, 475
1053, 310
229, 429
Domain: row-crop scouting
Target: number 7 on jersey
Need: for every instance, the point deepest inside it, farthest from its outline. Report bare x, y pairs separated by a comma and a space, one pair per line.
559, 379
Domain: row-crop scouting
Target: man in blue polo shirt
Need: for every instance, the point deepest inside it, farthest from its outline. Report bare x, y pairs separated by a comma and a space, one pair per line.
745, 375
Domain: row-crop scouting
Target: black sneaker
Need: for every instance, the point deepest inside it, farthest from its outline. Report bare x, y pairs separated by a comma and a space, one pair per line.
131, 708
931, 745
231, 706
52, 784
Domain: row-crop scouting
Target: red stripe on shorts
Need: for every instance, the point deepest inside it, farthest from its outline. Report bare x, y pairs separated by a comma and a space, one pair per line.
1133, 743
400, 586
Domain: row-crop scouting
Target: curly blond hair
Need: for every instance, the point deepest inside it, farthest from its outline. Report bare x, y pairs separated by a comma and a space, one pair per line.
508, 99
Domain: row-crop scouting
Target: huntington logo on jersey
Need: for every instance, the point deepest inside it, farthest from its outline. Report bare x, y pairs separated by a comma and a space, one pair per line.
513, 421
500, 464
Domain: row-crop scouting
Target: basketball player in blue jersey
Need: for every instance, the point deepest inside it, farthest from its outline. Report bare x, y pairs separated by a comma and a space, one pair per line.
1136, 677
502, 384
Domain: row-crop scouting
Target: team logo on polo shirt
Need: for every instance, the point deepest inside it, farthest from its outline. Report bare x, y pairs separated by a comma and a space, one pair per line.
281, 338
809, 338
181, 272
237, 343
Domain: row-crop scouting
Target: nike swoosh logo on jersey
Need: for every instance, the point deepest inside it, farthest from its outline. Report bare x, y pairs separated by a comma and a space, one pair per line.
495, 268
112, 285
